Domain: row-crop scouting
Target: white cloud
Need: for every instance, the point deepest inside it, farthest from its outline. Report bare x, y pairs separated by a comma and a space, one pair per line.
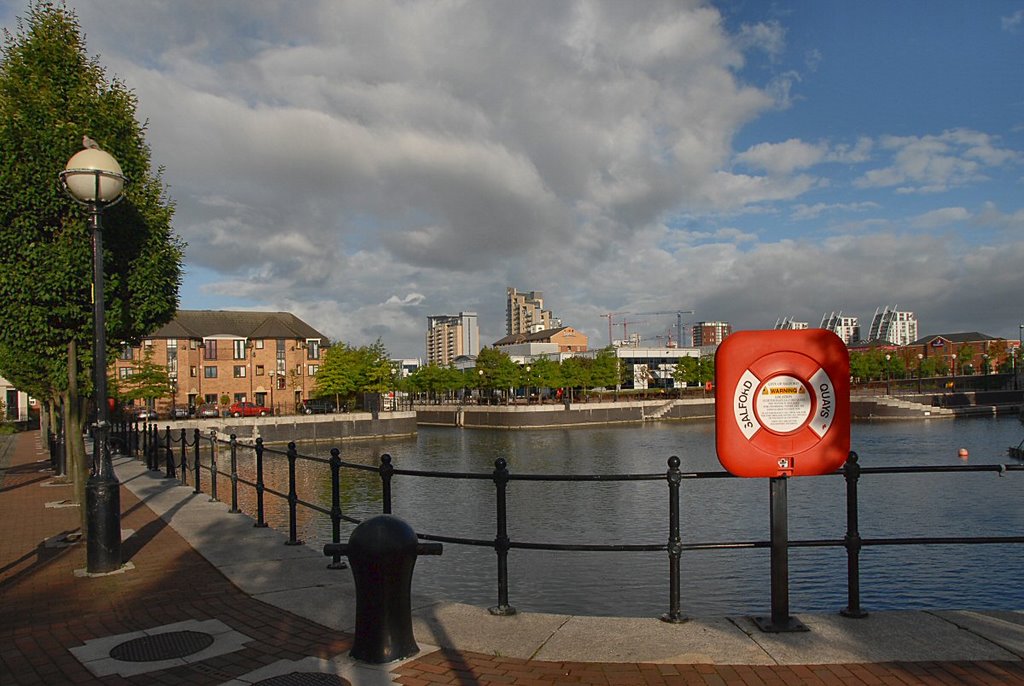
935, 163
368, 163
783, 158
1013, 22
803, 212
941, 217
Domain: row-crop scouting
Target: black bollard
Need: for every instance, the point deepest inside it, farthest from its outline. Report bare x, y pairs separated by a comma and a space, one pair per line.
382, 553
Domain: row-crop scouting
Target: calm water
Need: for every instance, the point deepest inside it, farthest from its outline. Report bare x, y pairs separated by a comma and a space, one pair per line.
713, 582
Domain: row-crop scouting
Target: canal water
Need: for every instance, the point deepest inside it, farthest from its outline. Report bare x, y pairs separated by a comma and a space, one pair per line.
718, 582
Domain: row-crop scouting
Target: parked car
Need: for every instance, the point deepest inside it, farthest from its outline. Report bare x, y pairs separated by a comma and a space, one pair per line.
179, 412
208, 410
247, 409
143, 414
317, 406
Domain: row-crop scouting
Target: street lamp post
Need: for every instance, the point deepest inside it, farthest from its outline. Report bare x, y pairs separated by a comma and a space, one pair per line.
93, 178
273, 382
1013, 366
920, 357
954, 373
888, 374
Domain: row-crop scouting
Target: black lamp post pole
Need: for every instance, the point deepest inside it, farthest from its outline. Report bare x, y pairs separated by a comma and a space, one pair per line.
102, 494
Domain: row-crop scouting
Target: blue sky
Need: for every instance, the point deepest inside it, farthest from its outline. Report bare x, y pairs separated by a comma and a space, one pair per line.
369, 163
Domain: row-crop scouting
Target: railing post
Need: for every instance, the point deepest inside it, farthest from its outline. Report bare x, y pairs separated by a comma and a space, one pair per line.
675, 543
145, 446
214, 449
261, 521
184, 458
234, 474
169, 452
779, 621
336, 561
851, 471
195, 443
386, 471
501, 540
293, 498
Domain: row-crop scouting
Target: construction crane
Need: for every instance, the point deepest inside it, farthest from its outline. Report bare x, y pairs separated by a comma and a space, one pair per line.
625, 333
609, 316
679, 321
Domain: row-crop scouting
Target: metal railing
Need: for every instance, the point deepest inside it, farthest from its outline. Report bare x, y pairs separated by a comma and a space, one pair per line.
159, 452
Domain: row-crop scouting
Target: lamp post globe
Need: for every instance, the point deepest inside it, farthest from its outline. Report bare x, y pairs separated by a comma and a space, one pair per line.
94, 179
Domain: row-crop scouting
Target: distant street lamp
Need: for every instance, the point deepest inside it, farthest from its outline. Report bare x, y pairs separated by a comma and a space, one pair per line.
954, 373
273, 382
888, 374
1013, 366
920, 357
94, 179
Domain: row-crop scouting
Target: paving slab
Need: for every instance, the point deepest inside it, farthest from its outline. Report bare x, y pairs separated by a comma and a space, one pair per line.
472, 628
609, 639
880, 637
1003, 628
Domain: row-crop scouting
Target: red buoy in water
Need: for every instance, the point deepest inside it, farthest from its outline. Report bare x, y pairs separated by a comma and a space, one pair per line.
962, 453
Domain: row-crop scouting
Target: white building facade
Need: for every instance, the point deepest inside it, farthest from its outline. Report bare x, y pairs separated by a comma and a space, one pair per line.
847, 328
893, 326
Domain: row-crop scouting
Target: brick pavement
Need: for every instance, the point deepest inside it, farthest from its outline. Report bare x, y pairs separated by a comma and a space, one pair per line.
45, 610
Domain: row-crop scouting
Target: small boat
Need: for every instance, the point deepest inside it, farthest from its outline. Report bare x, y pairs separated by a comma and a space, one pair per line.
1016, 452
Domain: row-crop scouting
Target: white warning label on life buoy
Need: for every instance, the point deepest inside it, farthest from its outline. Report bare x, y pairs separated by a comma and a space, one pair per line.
743, 404
783, 404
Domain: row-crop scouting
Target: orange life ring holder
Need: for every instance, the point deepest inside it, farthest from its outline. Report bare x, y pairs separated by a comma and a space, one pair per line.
782, 403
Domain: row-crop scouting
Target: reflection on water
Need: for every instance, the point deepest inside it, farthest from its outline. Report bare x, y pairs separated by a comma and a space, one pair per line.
713, 582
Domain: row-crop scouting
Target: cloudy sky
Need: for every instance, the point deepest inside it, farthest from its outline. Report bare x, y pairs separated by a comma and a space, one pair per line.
365, 164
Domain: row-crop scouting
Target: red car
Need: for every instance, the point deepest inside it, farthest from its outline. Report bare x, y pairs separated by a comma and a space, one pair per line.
248, 410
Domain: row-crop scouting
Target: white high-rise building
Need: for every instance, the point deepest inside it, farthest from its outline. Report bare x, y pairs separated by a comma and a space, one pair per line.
889, 324
847, 328
788, 324
451, 335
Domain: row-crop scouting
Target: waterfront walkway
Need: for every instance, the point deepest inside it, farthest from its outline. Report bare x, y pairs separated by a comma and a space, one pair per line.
206, 598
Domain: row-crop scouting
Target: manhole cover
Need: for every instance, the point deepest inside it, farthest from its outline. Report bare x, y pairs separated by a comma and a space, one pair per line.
305, 679
161, 646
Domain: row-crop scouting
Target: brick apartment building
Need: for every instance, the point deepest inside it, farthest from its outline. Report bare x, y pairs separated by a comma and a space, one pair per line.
269, 358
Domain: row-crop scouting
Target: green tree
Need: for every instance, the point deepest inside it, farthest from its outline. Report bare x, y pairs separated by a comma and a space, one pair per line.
51, 94
347, 370
695, 370
578, 372
606, 370
338, 376
546, 373
496, 370
148, 382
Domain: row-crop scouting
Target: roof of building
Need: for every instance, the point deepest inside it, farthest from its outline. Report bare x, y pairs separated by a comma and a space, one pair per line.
243, 324
535, 337
963, 337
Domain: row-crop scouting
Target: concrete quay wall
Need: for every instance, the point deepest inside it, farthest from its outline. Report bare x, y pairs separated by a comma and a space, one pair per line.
562, 415
343, 427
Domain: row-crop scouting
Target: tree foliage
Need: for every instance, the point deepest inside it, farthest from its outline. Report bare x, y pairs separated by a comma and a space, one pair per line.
148, 382
695, 371
347, 370
51, 94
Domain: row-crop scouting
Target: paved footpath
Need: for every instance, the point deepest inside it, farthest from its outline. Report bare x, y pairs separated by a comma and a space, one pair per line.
59, 626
